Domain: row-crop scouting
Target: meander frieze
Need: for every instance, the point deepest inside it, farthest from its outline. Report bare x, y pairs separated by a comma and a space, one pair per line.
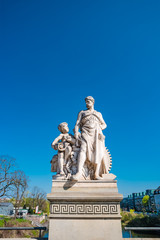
84, 208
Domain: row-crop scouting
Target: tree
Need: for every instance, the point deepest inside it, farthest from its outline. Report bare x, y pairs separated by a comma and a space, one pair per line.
20, 185
46, 207
6, 174
145, 201
38, 198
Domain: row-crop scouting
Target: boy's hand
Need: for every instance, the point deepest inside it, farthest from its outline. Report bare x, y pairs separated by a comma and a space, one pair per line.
55, 147
68, 138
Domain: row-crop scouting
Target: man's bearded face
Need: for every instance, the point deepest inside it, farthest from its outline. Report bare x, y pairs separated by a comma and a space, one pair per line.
89, 103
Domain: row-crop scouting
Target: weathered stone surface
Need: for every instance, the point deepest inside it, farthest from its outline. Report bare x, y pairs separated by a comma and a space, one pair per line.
87, 190
89, 229
84, 200
84, 155
85, 210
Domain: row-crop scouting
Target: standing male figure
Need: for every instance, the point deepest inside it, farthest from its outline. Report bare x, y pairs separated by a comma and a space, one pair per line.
91, 124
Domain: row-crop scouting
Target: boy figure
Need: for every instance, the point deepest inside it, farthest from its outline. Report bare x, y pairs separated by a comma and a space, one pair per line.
63, 144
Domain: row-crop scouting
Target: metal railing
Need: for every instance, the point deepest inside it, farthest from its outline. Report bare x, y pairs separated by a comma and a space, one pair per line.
25, 228
141, 229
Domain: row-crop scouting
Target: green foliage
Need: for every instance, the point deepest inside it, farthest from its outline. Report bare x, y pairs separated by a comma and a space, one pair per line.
35, 233
132, 210
21, 220
46, 207
127, 217
4, 220
12, 200
43, 221
11, 222
24, 206
139, 220
27, 236
28, 202
145, 221
1, 223
145, 200
30, 211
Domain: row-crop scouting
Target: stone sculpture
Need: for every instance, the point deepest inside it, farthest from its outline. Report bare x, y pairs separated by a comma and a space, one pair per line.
61, 163
84, 198
84, 155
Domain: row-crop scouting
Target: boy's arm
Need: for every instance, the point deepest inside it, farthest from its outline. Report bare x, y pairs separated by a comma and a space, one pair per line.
56, 140
70, 138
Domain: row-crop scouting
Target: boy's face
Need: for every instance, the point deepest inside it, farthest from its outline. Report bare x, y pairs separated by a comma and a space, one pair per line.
65, 129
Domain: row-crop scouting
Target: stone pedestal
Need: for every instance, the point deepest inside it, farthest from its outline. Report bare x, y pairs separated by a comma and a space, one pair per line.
85, 210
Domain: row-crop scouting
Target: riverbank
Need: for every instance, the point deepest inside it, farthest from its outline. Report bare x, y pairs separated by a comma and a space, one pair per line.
131, 219
11, 222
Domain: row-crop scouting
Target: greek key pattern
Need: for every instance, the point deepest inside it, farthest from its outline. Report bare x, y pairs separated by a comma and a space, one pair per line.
84, 208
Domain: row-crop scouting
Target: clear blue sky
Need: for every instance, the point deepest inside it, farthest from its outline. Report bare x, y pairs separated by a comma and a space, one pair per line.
54, 54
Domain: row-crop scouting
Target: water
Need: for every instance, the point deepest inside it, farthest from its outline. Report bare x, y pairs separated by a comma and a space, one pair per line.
126, 234
138, 234
45, 235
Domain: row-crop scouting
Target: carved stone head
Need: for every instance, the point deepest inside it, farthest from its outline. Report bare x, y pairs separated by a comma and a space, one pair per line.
63, 127
89, 101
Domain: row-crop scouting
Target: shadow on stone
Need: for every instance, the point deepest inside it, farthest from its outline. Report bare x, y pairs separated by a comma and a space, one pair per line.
69, 184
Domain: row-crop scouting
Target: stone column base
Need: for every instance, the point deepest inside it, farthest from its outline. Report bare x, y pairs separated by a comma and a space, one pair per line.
85, 210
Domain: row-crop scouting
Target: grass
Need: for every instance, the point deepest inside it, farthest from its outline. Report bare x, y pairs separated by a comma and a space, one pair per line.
43, 221
35, 232
19, 222
1, 223
4, 220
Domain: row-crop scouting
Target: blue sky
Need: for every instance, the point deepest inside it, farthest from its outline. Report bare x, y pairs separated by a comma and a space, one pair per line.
54, 54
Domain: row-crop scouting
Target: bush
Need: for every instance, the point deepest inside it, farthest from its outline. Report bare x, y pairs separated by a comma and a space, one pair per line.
132, 210
127, 217
131, 219
145, 221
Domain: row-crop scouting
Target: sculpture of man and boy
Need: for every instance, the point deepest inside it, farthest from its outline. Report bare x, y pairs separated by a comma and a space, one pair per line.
82, 156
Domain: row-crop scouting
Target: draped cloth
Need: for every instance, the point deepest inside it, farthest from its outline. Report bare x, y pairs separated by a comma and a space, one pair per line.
93, 138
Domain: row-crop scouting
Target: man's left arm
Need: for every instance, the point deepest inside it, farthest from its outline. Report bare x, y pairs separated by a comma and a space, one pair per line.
103, 125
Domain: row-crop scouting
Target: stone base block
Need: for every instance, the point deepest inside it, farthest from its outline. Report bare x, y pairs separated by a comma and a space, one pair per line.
85, 210
85, 229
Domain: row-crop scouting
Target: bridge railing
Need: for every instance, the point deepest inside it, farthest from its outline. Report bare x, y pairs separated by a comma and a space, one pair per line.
141, 229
